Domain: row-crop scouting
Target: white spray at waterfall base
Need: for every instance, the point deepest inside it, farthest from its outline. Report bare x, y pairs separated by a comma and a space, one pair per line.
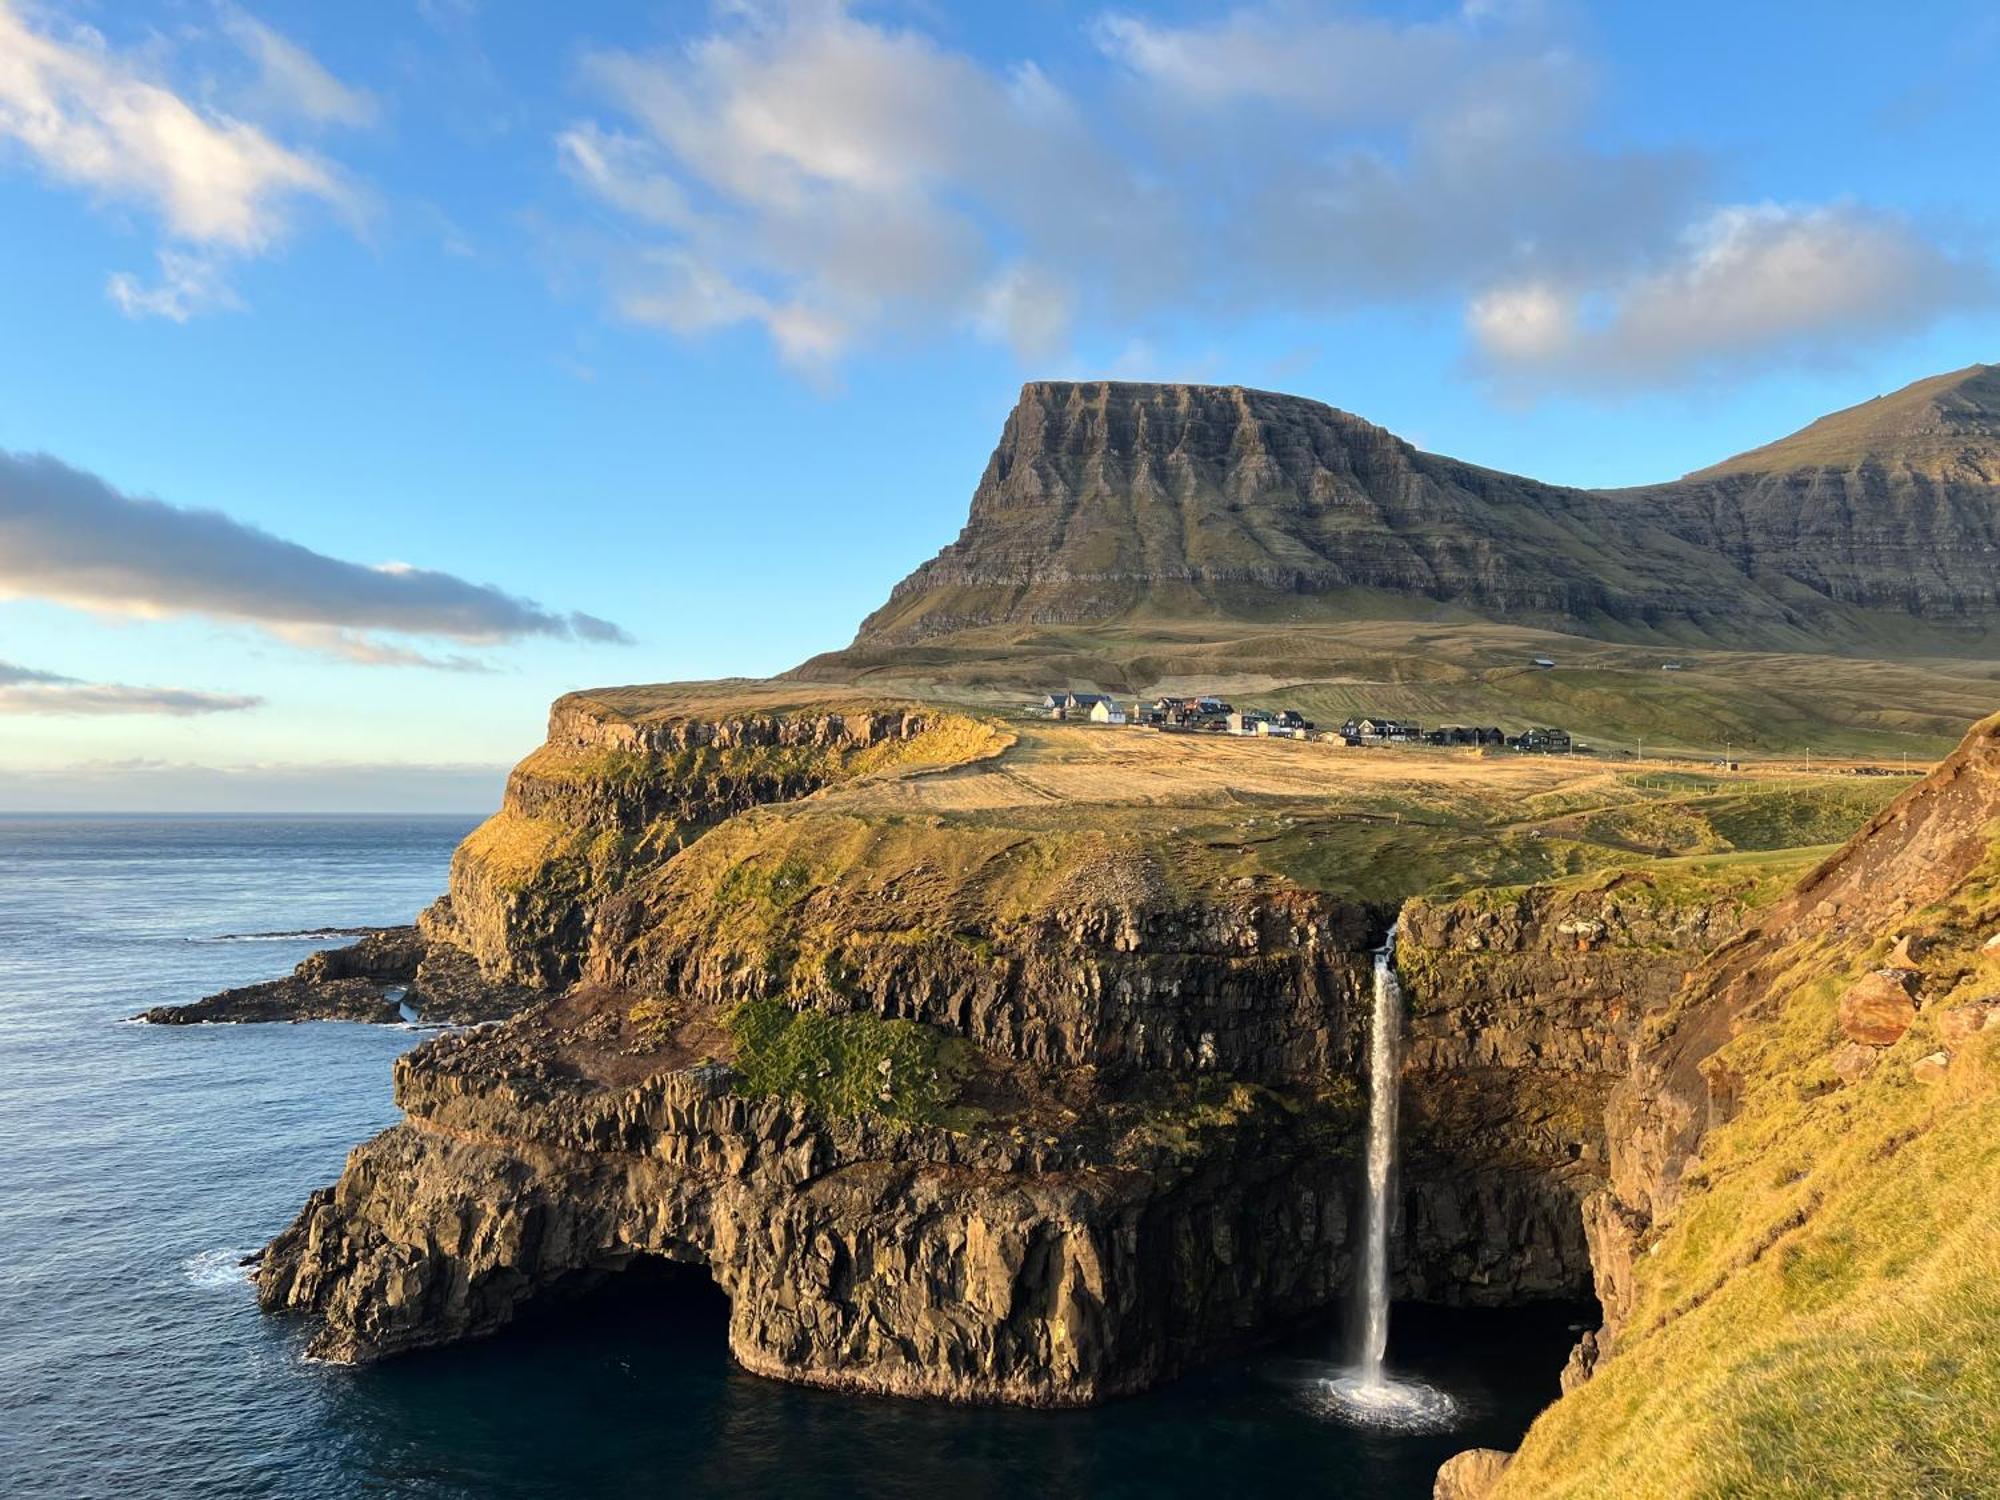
1362, 1393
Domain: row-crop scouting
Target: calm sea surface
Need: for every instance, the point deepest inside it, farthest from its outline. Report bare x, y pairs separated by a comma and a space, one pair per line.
138, 1163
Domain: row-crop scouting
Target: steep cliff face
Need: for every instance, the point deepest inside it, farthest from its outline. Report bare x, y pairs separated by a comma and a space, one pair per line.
1186, 513
859, 1254
1524, 1007
1058, 949
1796, 1244
613, 794
1108, 500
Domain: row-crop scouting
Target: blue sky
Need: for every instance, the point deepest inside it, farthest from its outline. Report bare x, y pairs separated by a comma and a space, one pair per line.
660, 343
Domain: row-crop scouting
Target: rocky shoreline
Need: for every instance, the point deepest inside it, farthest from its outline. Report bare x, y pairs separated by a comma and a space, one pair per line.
392, 975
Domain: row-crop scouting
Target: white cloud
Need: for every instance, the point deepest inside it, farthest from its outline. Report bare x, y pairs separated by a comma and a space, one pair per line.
68, 537
96, 119
290, 81
1027, 308
839, 181
1747, 285
92, 119
25, 690
830, 179
189, 284
1344, 66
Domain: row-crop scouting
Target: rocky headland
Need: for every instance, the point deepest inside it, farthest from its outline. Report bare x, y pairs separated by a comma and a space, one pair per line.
1013, 1103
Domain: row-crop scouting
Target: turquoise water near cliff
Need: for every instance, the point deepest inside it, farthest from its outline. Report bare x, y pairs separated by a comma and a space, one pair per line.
138, 1163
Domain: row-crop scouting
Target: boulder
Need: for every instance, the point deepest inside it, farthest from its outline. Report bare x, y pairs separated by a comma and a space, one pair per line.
1470, 1475
1877, 1008
1963, 1022
1853, 1062
1931, 1069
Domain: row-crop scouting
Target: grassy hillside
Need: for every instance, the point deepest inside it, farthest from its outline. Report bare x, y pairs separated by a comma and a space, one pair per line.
1824, 1319
1462, 671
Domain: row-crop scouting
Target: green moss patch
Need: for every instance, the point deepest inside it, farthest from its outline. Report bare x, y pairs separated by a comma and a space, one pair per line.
846, 1065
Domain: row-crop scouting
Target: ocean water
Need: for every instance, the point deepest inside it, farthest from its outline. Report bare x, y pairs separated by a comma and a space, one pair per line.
137, 1164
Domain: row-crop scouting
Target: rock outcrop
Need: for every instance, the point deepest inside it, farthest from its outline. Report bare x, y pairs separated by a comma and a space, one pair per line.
612, 795
858, 1254
392, 974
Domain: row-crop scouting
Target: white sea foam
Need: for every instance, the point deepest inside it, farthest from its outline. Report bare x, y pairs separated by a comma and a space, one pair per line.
218, 1268
1381, 1401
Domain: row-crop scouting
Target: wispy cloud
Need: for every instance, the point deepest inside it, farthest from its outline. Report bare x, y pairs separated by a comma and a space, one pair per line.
67, 536
290, 81
189, 284
840, 181
25, 690
1746, 286
96, 119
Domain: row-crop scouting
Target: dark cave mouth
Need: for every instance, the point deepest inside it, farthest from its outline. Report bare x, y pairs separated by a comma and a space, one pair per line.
649, 1297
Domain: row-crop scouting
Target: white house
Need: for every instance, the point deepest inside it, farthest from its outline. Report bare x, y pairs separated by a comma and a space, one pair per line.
1104, 711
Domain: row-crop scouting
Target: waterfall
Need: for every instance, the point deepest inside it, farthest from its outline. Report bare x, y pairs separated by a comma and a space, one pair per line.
1363, 1393
1385, 1034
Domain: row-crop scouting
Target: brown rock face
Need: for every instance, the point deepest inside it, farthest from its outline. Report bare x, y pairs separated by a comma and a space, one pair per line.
1877, 1008
1470, 1475
1517, 1038
1174, 505
1914, 852
858, 1255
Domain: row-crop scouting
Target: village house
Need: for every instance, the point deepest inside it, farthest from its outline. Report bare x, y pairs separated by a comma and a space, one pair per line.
1074, 705
1381, 731
1104, 711
1542, 741
1464, 734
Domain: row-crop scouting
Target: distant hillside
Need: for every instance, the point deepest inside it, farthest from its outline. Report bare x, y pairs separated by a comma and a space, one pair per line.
1839, 587
1132, 503
1893, 505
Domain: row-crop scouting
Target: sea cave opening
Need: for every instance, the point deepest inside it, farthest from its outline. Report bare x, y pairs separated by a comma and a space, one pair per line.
647, 1300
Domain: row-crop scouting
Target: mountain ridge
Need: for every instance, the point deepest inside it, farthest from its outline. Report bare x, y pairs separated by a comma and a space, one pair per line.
1108, 500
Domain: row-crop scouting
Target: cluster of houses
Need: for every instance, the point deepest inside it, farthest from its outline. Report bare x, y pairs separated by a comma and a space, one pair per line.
1215, 716
1208, 715
1380, 731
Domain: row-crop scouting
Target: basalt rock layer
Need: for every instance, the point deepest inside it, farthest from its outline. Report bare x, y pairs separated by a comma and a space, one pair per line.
1524, 1009
857, 1254
612, 795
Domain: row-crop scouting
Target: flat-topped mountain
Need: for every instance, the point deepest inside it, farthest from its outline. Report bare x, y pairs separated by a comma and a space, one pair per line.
1108, 500
1151, 506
